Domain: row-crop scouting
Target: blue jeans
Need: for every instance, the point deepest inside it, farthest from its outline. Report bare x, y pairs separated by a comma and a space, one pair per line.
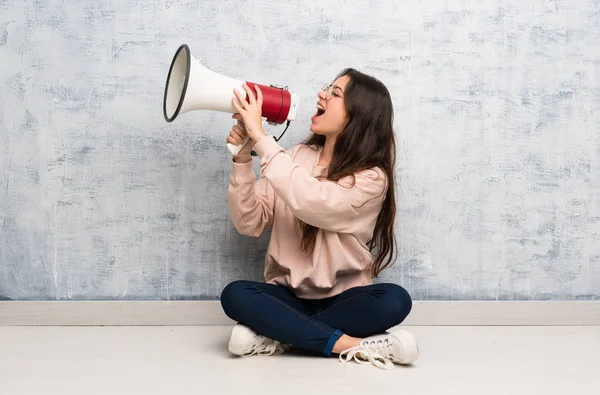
315, 325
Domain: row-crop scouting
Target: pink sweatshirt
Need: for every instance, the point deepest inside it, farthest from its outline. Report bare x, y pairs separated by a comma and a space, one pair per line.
292, 185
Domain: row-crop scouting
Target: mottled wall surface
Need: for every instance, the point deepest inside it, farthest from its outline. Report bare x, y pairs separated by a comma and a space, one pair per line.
497, 116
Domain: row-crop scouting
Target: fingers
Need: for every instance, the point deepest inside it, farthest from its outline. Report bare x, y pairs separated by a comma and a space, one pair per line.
250, 93
259, 96
248, 114
238, 132
236, 104
237, 135
242, 103
235, 139
238, 101
240, 119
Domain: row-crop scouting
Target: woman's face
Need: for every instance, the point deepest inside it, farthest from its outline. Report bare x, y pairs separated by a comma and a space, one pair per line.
331, 117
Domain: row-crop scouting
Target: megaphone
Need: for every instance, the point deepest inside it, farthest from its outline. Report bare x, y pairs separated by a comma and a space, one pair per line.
191, 86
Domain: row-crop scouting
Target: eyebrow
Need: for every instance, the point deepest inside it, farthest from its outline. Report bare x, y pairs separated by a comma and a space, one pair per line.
335, 86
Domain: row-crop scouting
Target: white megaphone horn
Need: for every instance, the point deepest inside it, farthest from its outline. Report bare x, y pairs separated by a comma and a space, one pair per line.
191, 86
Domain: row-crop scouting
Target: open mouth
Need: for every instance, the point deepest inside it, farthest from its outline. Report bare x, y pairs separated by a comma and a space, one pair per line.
320, 111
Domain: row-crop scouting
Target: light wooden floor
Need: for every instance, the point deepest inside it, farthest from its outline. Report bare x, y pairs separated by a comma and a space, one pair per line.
194, 360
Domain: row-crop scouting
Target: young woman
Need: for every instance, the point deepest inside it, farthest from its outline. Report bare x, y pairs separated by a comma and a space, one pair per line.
330, 205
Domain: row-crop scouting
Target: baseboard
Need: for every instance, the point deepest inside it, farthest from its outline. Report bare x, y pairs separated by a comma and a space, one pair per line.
183, 313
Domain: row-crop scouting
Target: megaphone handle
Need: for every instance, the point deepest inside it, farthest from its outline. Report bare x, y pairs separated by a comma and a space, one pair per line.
235, 149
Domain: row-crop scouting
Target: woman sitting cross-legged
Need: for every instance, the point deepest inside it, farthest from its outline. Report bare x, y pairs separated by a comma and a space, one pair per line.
330, 205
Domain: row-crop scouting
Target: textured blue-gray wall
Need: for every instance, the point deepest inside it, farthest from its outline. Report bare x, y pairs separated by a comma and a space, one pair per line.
497, 116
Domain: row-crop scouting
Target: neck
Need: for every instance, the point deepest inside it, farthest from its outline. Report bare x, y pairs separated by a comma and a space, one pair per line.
327, 152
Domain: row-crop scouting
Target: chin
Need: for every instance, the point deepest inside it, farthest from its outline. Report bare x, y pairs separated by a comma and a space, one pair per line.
318, 131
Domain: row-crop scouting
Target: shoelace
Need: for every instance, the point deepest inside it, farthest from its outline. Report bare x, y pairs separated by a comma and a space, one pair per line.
376, 352
266, 346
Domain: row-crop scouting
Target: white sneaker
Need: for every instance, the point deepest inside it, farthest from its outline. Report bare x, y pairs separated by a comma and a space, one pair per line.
384, 350
245, 342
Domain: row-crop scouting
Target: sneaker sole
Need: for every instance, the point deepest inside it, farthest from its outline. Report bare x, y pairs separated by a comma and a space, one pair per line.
238, 339
410, 347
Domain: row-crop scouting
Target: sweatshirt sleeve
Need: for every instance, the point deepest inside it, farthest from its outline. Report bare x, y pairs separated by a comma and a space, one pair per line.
250, 201
329, 205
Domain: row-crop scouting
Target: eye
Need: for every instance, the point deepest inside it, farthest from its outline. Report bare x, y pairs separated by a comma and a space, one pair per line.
335, 94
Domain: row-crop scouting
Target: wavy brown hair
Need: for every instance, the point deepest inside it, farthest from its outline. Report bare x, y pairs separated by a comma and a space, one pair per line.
367, 141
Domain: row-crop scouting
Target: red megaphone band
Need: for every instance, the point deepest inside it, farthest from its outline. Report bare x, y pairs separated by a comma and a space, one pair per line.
276, 102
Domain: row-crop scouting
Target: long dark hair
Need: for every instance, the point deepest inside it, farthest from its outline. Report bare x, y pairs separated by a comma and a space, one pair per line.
367, 141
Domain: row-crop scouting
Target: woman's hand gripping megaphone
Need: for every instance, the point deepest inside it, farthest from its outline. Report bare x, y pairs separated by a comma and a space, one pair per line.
249, 129
238, 141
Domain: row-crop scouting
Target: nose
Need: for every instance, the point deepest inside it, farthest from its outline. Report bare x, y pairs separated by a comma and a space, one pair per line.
322, 95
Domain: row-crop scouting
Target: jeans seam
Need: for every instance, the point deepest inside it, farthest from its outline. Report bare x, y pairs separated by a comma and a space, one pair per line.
308, 319
339, 303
